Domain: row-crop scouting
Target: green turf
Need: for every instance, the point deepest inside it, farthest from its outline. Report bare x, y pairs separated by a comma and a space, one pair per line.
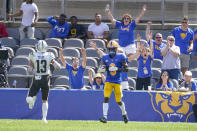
57, 125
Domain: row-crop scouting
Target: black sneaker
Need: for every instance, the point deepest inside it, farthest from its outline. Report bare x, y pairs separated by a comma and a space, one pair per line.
103, 120
125, 118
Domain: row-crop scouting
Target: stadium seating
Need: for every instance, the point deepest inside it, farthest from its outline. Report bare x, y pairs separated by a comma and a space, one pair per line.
54, 42
20, 75
156, 73
99, 43
132, 83
157, 63
194, 73
29, 42
175, 83
86, 71
20, 61
71, 52
24, 51
132, 72
10, 51
74, 42
62, 81
10, 42
91, 52
38, 34
91, 62
133, 64
14, 32
54, 51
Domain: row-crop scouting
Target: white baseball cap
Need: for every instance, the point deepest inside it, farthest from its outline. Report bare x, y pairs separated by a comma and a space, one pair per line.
188, 73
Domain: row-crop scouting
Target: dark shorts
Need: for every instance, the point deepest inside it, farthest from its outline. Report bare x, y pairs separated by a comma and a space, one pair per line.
143, 83
42, 84
173, 73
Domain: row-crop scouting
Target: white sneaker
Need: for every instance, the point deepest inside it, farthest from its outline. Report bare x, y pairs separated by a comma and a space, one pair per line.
44, 120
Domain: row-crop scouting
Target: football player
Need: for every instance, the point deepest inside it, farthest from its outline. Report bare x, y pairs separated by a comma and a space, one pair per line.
40, 62
113, 63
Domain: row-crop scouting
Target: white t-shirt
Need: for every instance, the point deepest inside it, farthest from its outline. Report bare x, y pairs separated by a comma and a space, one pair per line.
28, 13
98, 30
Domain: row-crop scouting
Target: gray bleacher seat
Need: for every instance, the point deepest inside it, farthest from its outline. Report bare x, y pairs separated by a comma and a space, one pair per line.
99, 43
74, 42
142, 41
133, 63
18, 74
54, 42
153, 83
38, 34
91, 52
86, 71
71, 52
29, 42
157, 63
53, 50
47, 34
86, 81
61, 72
10, 51
62, 81
114, 34
175, 83
132, 83
9, 42
156, 73
14, 32
193, 63
194, 73
24, 51
20, 60
91, 62
141, 32
132, 72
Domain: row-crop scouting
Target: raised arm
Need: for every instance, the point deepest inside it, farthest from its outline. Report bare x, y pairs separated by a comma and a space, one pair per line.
109, 14
90, 76
83, 52
62, 58
163, 53
141, 14
93, 45
148, 30
151, 44
20, 13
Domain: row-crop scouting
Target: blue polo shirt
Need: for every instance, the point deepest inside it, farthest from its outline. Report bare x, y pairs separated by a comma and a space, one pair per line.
144, 63
157, 50
125, 33
193, 86
183, 38
75, 76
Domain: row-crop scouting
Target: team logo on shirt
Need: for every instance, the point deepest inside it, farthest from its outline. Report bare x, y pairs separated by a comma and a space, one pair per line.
183, 35
173, 106
127, 28
113, 73
74, 72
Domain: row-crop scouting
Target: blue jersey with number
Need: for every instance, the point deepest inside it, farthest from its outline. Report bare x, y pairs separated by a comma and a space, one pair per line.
144, 68
75, 76
125, 33
116, 61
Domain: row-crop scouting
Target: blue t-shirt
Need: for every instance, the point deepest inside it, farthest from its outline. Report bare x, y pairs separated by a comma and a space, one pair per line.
113, 76
97, 87
144, 68
157, 50
75, 76
58, 30
158, 86
195, 42
125, 33
183, 38
193, 86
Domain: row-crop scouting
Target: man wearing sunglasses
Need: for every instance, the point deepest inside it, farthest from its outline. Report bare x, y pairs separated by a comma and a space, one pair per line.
184, 39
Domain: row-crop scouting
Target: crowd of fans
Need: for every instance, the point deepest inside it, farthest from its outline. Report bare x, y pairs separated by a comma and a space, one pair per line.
175, 53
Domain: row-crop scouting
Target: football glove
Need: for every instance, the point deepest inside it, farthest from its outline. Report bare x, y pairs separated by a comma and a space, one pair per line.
101, 69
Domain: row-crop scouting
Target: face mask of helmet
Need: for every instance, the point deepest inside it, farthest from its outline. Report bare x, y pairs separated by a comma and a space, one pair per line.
112, 52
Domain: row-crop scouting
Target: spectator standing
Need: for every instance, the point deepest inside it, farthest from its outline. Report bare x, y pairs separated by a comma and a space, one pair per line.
76, 30
164, 83
157, 43
98, 29
194, 53
171, 60
3, 31
60, 28
126, 29
98, 82
29, 13
184, 40
75, 71
188, 84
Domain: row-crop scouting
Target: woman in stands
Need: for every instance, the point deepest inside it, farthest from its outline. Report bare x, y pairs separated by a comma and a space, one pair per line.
126, 29
98, 82
164, 83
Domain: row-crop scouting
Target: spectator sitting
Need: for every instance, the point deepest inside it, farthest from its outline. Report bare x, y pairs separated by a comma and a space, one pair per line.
60, 28
171, 61
29, 11
76, 30
98, 29
194, 53
98, 82
157, 43
188, 84
75, 71
3, 31
184, 40
164, 83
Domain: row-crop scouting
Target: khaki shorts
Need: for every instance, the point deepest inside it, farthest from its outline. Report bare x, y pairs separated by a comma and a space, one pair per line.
185, 60
130, 49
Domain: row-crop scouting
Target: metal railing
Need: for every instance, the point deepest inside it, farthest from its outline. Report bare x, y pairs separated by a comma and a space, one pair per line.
157, 10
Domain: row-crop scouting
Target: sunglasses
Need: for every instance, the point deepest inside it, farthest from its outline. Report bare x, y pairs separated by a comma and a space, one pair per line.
158, 37
171, 39
184, 22
127, 18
